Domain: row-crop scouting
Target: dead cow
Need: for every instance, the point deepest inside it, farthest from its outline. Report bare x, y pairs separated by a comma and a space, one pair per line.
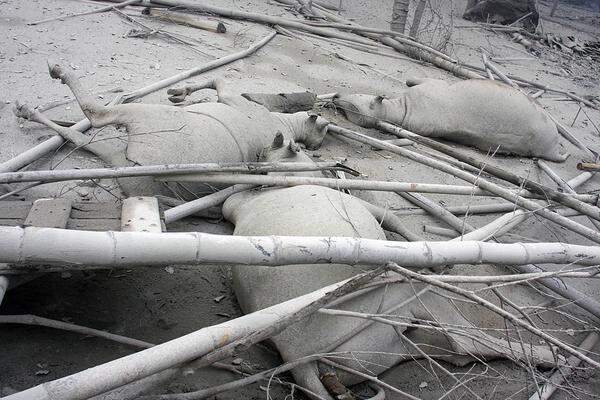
318, 211
489, 115
503, 12
232, 130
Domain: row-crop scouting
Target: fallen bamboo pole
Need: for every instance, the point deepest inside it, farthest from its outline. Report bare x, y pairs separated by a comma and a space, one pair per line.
120, 372
485, 165
477, 181
30, 247
166, 169
451, 234
55, 142
355, 184
186, 209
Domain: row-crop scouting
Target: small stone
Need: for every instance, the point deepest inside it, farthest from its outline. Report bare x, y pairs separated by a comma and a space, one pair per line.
423, 385
570, 332
237, 361
218, 299
42, 372
170, 270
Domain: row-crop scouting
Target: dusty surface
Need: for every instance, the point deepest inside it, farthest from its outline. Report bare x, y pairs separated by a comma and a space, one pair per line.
156, 305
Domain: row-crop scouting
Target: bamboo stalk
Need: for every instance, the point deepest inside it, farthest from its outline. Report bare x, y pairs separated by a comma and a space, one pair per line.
55, 142
30, 247
167, 169
500, 74
496, 228
437, 211
563, 372
464, 209
478, 181
451, 233
113, 374
184, 210
385, 186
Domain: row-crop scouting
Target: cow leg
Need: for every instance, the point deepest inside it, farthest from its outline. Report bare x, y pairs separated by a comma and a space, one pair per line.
307, 376
106, 152
98, 114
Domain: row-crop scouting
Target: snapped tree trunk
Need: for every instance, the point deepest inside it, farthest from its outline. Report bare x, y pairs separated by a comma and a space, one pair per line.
399, 14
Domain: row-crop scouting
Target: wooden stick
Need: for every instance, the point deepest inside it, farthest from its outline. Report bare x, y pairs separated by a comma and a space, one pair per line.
563, 372
480, 182
29, 319
55, 142
185, 19
451, 233
355, 184
99, 10
492, 307
113, 374
494, 229
584, 166
31, 247
168, 169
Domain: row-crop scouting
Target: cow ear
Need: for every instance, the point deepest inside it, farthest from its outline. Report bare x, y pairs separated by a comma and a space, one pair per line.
278, 140
313, 117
